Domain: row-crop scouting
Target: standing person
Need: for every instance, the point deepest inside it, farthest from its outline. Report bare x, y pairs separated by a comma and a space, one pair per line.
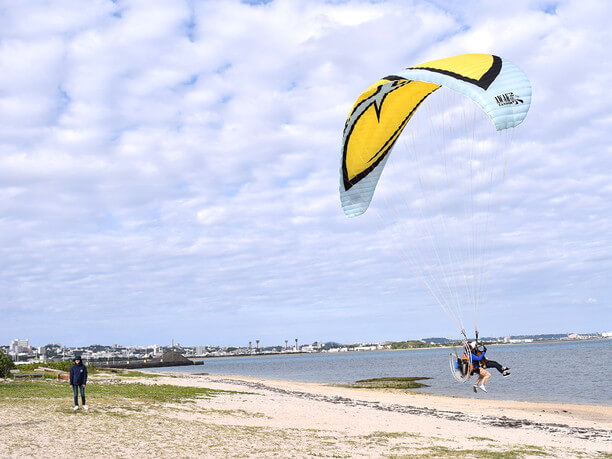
78, 381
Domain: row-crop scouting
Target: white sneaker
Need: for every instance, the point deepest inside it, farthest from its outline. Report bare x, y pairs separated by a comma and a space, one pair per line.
483, 388
76, 407
85, 407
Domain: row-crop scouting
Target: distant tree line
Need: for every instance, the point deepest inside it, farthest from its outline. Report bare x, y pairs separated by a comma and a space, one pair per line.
411, 344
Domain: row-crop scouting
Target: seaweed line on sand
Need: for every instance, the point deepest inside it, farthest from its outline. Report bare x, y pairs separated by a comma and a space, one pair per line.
585, 433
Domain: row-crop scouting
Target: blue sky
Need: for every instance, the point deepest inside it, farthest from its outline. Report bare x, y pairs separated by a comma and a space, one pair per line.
169, 170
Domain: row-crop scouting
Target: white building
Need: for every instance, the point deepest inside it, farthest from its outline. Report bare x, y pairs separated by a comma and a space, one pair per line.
19, 346
200, 350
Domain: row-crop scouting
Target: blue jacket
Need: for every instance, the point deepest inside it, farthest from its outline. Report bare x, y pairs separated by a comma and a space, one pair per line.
477, 358
78, 375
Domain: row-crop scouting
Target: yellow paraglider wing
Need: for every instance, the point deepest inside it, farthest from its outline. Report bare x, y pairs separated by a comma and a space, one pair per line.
477, 69
382, 111
377, 120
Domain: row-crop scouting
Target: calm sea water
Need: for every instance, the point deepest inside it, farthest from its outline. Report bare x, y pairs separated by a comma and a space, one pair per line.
570, 372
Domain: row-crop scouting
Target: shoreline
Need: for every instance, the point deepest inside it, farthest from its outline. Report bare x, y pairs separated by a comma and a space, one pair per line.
275, 382
551, 421
415, 391
601, 412
259, 417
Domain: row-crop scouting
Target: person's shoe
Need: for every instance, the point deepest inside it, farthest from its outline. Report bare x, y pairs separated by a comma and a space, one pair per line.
506, 373
76, 407
483, 388
85, 407
475, 387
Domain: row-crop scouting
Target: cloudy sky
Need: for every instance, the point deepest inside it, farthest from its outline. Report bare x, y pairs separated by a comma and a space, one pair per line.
169, 170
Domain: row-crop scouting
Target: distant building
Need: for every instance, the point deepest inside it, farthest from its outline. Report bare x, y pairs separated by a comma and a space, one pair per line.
521, 340
19, 346
309, 347
200, 350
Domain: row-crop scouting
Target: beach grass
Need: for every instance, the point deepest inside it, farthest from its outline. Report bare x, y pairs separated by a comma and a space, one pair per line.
62, 366
514, 453
388, 435
394, 382
160, 393
444, 451
91, 370
130, 373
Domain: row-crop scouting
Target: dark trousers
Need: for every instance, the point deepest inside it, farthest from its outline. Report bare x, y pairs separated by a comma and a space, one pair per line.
76, 395
494, 364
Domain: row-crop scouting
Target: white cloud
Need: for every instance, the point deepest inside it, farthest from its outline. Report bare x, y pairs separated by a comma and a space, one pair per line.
177, 164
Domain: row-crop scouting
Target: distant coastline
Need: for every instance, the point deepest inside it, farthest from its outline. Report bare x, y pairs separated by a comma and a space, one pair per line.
447, 346
21, 352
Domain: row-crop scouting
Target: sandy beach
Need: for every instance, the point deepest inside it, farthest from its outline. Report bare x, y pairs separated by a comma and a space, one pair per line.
269, 418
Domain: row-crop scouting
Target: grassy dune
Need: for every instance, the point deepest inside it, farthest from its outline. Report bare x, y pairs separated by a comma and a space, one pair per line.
409, 382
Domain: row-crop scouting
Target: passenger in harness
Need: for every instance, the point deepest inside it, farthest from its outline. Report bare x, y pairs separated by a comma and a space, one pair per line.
483, 375
480, 362
505, 371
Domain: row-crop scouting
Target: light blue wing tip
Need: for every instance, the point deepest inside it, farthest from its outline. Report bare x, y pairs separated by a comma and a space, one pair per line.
353, 214
354, 209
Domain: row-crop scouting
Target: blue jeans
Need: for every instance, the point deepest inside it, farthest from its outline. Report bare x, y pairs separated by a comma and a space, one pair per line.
76, 395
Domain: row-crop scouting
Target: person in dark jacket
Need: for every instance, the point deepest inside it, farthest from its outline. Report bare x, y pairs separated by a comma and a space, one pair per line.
78, 381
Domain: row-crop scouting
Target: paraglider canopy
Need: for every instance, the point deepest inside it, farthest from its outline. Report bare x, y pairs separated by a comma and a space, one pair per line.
458, 168
382, 111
